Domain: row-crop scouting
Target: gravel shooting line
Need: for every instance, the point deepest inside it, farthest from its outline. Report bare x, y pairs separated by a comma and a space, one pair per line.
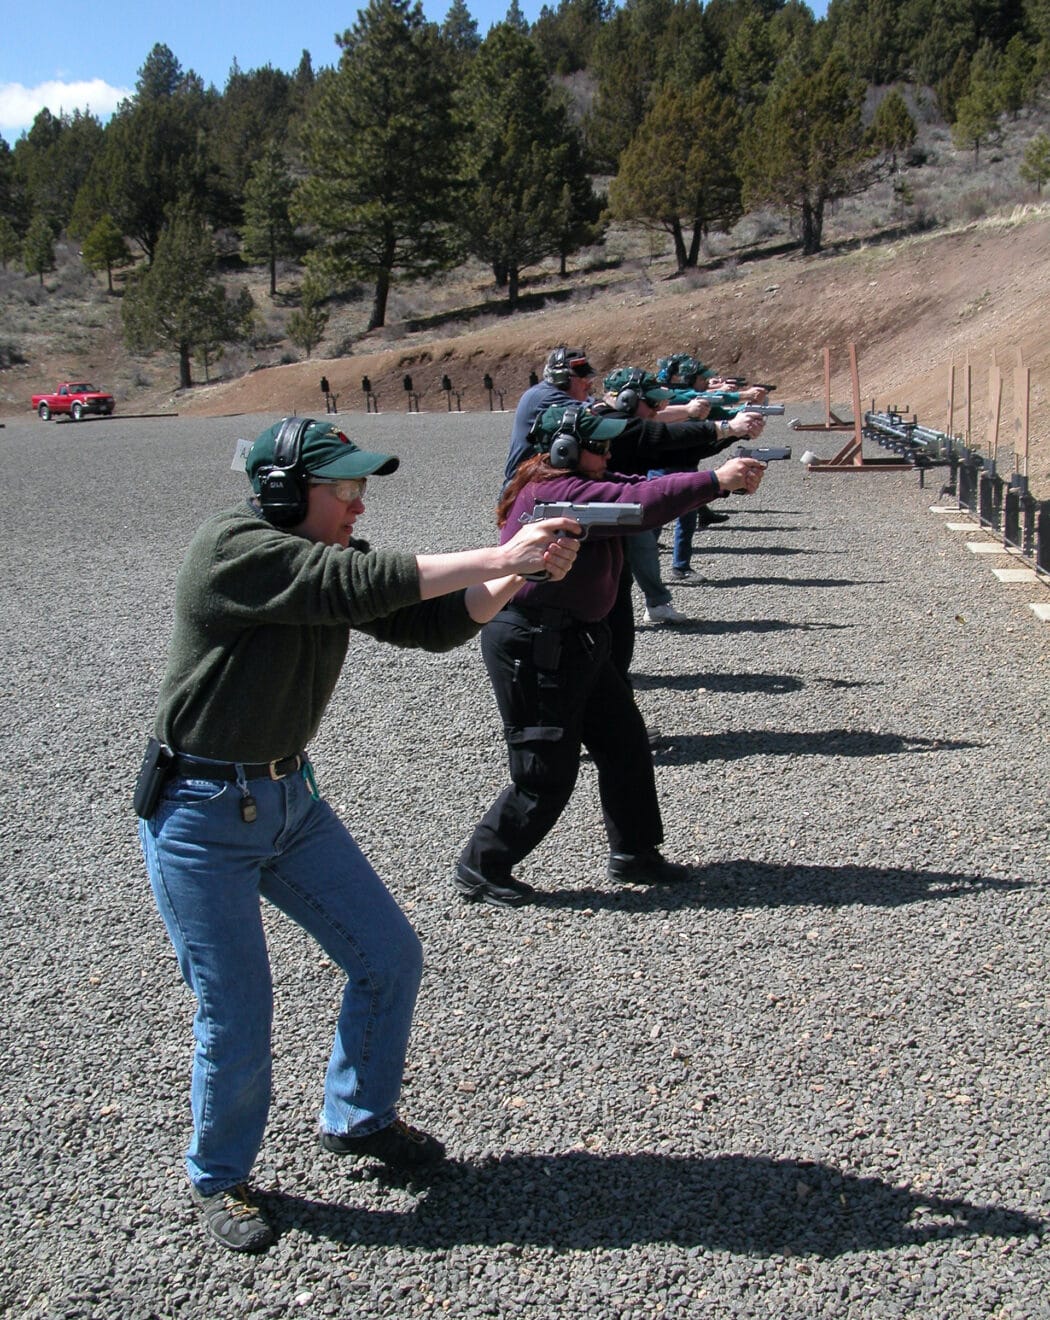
811, 1082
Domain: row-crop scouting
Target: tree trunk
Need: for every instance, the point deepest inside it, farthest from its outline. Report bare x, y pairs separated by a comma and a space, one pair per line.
273, 274
512, 287
563, 269
812, 227
680, 255
694, 244
185, 378
499, 274
382, 292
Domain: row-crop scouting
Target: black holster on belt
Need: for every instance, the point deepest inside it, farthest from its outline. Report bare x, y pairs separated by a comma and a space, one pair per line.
156, 767
547, 625
546, 648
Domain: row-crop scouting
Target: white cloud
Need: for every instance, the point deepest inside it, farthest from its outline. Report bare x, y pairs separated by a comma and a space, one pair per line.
19, 105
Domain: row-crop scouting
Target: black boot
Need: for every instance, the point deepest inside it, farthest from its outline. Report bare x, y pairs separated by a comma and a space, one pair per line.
645, 868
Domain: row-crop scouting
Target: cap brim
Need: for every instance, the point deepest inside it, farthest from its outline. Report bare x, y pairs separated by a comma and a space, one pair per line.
657, 395
358, 463
595, 427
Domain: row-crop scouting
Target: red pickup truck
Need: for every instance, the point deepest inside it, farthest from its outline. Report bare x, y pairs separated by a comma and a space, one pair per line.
77, 398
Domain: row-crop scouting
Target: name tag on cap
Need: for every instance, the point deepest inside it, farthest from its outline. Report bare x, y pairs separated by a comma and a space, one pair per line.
240, 456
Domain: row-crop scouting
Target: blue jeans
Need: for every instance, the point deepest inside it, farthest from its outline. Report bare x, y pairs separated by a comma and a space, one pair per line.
643, 556
684, 530
208, 869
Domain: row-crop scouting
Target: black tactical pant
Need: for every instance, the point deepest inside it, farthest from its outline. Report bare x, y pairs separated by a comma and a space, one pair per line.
557, 692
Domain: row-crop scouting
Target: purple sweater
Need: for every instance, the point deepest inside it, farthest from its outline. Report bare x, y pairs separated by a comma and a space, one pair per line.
589, 589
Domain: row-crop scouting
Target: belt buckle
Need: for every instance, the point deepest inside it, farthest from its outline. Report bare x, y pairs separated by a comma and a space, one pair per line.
285, 773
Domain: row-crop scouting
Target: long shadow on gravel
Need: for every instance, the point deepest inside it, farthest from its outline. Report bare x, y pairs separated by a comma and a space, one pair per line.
751, 510
722, 627
708, 549
755, 527
781, 582
735, 682
581, 1201
741, 883
695, 749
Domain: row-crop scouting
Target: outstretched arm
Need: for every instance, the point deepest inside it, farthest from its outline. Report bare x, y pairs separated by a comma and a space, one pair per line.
491, 573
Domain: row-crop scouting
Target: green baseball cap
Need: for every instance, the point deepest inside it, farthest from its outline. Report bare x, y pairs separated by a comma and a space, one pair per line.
325, 452
633, 378
589, 425
689, 368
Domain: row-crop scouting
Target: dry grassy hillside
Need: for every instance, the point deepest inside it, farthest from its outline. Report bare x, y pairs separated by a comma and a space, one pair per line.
911, 306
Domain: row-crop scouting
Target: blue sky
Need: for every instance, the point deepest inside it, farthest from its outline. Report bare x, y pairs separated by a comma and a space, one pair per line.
69, 56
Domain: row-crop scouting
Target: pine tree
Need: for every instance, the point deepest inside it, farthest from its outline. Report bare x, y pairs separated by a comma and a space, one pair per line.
460, 29
160, 76
380, 144
38, 248
268, 232
253, 112
521, 151
950, 89
566, 34
177, 303
893, 130
677, 172
307, 324
622, 65
516, 19
1035, 165
10, 243
1015, 82
750, 62
53, 159
976, 117
807, 148
104, 248
152, 155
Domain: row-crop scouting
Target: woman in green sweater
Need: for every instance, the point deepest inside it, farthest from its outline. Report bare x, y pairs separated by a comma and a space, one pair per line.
265, 602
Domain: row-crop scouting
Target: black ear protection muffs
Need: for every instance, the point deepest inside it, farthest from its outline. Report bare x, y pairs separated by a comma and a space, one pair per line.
283, 494
630, 396
565, 447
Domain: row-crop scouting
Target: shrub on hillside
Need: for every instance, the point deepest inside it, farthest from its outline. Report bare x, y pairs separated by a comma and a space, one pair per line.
11, 356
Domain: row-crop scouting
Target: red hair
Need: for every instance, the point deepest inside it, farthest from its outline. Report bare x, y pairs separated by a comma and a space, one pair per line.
538, 468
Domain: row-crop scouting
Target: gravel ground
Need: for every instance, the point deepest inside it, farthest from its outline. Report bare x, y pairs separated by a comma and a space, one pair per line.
814, 1082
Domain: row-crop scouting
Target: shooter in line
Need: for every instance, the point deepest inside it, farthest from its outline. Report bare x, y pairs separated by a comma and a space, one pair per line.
229, 807
547, 655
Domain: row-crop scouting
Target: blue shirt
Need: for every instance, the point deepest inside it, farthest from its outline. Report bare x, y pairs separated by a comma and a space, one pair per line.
534, 401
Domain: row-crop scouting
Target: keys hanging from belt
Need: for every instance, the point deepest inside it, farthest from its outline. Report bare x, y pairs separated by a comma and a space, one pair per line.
249, 809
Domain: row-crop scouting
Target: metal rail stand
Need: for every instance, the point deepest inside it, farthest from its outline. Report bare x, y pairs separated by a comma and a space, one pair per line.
413, 397
488, 385
448, 389
850, 457
1019, 515
371, 402
1042, 539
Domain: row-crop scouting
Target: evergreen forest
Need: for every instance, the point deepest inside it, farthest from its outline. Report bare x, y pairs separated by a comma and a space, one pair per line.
425, 145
